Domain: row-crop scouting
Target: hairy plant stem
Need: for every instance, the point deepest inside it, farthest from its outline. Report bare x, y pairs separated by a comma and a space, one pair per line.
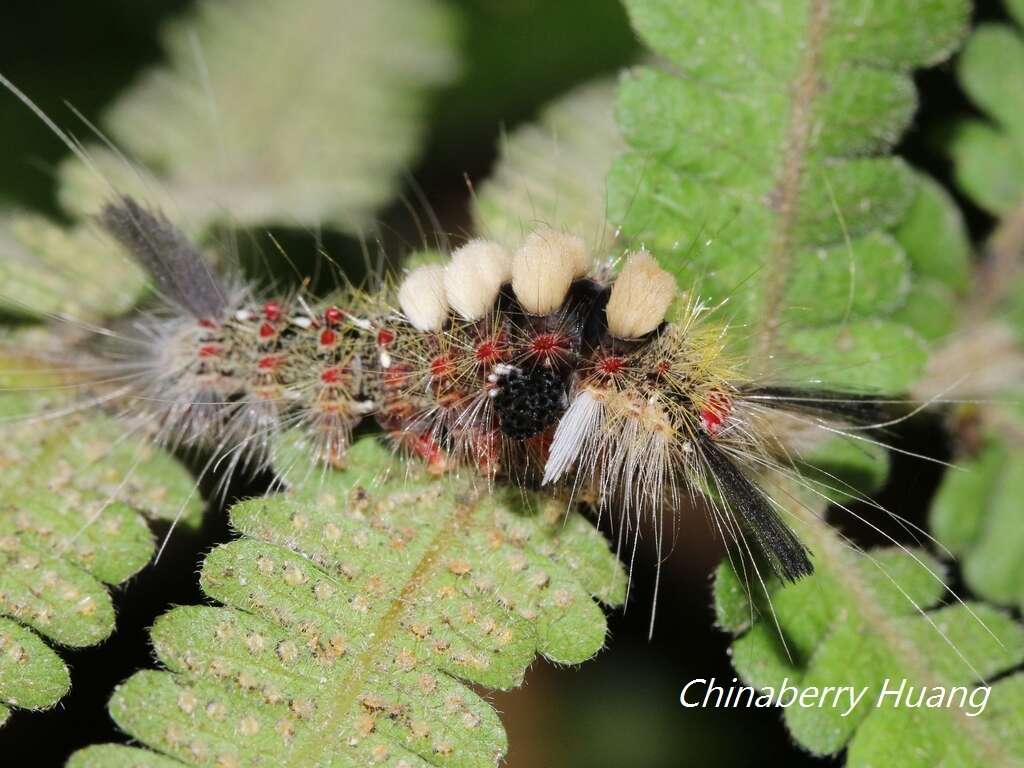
785, 195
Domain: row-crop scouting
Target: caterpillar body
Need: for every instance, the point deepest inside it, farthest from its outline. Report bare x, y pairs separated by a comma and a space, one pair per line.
541, 365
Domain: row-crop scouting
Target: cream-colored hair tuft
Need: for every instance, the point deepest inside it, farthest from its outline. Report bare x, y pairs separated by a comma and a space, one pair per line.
640, 298
423, 299
544, 268
475, 276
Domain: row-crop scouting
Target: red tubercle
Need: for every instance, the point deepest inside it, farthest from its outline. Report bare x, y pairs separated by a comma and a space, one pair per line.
611, 365
268, 363
328, 337
333, 316
272, 311
331, 376
548, 346
489, 352
209, 350
544, 344
267, 331
441, 366
662, 368
714, 414
385, 337
207, 324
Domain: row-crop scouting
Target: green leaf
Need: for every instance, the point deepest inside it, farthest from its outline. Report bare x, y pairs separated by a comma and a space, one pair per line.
934, 237
263, 115
553, 172
989, 154
116, 756
976, 513
355, 610
46, 269
854, 623
757, 171
77, 492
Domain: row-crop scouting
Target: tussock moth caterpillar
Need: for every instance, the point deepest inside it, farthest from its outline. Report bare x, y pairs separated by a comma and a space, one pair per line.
541, 365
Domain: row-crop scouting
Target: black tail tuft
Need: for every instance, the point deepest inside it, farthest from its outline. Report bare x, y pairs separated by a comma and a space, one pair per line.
786, 554
852, 407
180, 272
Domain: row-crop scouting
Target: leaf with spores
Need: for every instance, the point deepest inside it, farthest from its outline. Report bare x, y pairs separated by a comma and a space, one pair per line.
857, 621
355, 609
77, 493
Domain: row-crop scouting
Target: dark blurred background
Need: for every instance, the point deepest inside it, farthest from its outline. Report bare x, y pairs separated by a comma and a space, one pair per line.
620, 710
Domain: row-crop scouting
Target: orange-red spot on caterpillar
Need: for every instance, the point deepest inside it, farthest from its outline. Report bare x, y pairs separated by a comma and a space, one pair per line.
428, 449
611, 365
548, 346
715, 412
209, 350
385, 337
207, 324
267, 363
488, 352
333, 315
544, 344
328, 337
395, 376
662, 368
331, 376
266, 331
441, 366
272, 311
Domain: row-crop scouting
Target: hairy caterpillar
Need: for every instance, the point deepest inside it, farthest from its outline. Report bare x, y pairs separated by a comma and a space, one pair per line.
540, 365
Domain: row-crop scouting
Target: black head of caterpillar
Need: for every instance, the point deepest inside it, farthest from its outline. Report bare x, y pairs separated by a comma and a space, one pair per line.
538, 365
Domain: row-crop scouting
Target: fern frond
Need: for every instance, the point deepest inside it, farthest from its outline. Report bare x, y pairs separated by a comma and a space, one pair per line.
758, 170
77, 494
976, 513
47, 270
355, 609
270, 114
856, 622
934, 237
552, 172
988, 154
